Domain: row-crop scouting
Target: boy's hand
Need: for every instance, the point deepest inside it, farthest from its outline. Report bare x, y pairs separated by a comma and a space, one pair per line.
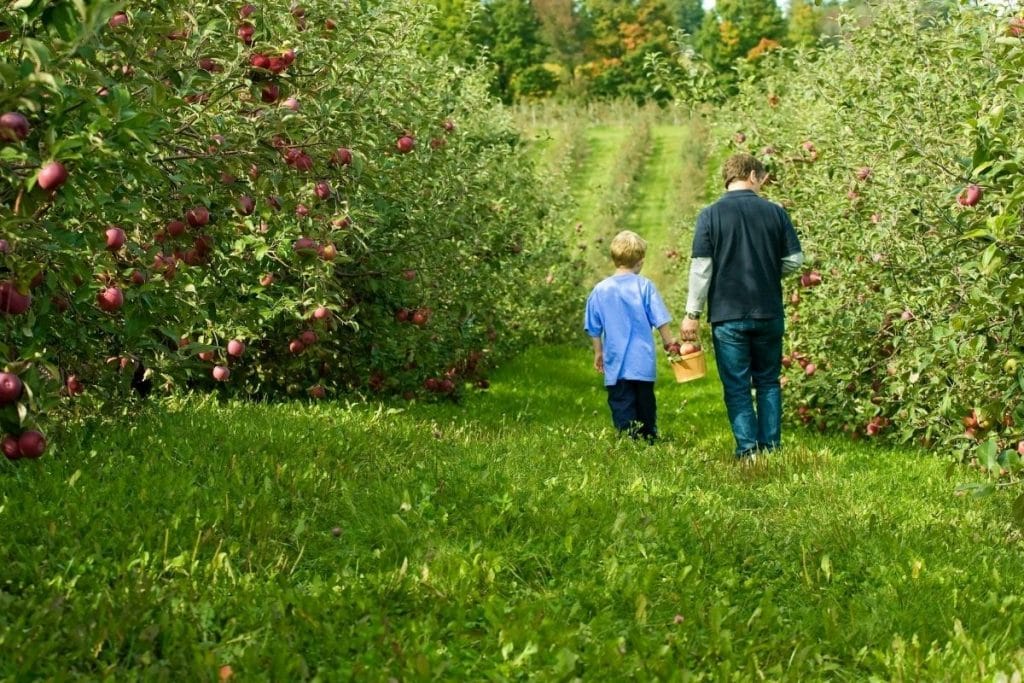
599, 362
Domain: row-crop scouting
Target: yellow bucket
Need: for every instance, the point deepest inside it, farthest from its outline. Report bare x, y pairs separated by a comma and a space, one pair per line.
690, 367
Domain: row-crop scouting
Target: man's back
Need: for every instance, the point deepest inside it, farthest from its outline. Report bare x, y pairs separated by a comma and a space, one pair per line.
747, 238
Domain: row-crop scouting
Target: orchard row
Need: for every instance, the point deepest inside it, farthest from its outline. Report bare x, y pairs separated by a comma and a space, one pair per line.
906, 323
239, 198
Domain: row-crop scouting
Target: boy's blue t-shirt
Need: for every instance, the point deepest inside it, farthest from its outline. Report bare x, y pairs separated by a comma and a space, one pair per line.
623, 309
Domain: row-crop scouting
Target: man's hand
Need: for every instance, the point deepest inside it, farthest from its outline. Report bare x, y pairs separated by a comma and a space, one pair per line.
688, 329
599, 361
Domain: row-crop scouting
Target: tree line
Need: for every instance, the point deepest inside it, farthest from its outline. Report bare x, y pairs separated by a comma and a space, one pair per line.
603, 49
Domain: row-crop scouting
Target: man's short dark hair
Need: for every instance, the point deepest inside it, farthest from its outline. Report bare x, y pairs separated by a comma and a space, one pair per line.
740, 166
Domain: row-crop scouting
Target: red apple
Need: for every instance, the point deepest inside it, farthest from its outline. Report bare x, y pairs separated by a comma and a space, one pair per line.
259, 61
448, 125
402, 315
246, 205
175, 228
342, 157
328, 252
810, 369
322, 313
110, 299
405, 144
10, 447
322, 190
687, 348
864, 173
308, 338
409, 275
236, 348
209, 64
5, 247
246, 33
138, 277
12, 301
220, 373
267, 279
304, 246
13, 126
115, 238
419, 317
32, 444
270, 93
317, 391
197, 216
970, 196
10, 388
52, 175
246, 10
206, 356
73, 385
296, 346
119, 19
291, 103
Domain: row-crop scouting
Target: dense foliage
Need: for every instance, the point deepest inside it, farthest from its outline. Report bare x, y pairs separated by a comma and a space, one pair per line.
299, 181
906, 190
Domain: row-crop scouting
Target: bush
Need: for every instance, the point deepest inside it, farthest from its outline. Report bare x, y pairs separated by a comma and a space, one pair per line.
897, 155
263, 164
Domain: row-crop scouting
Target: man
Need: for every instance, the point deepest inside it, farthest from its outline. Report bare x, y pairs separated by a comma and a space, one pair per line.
742, 246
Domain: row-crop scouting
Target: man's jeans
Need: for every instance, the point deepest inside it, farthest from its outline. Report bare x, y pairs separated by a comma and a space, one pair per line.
749, 354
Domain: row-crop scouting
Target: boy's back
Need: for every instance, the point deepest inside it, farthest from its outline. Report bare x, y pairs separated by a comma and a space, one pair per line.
623, 308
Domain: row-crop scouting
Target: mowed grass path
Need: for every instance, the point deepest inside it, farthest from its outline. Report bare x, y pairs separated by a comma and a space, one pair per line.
660, 200
507, 538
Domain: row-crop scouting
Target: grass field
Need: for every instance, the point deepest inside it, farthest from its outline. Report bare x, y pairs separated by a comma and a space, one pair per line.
511, 537
508, 537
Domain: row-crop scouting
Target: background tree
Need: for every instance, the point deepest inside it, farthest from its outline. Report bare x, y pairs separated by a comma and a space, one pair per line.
804, 19
452, 31
619, 38
510, 33
735, 27
688, 15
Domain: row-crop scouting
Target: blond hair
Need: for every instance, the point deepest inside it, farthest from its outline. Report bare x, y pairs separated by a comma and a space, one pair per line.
740, 166
628, 249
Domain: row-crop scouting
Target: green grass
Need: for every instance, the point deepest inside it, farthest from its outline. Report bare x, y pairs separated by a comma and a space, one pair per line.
506, 538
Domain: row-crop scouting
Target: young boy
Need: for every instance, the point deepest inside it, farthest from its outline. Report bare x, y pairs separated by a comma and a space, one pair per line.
621, 310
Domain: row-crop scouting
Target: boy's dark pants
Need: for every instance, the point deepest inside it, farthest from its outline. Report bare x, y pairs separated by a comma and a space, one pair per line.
634, 409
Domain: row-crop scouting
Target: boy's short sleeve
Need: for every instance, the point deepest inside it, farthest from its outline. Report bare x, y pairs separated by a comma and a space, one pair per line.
702, 246
657, 312
592, 321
